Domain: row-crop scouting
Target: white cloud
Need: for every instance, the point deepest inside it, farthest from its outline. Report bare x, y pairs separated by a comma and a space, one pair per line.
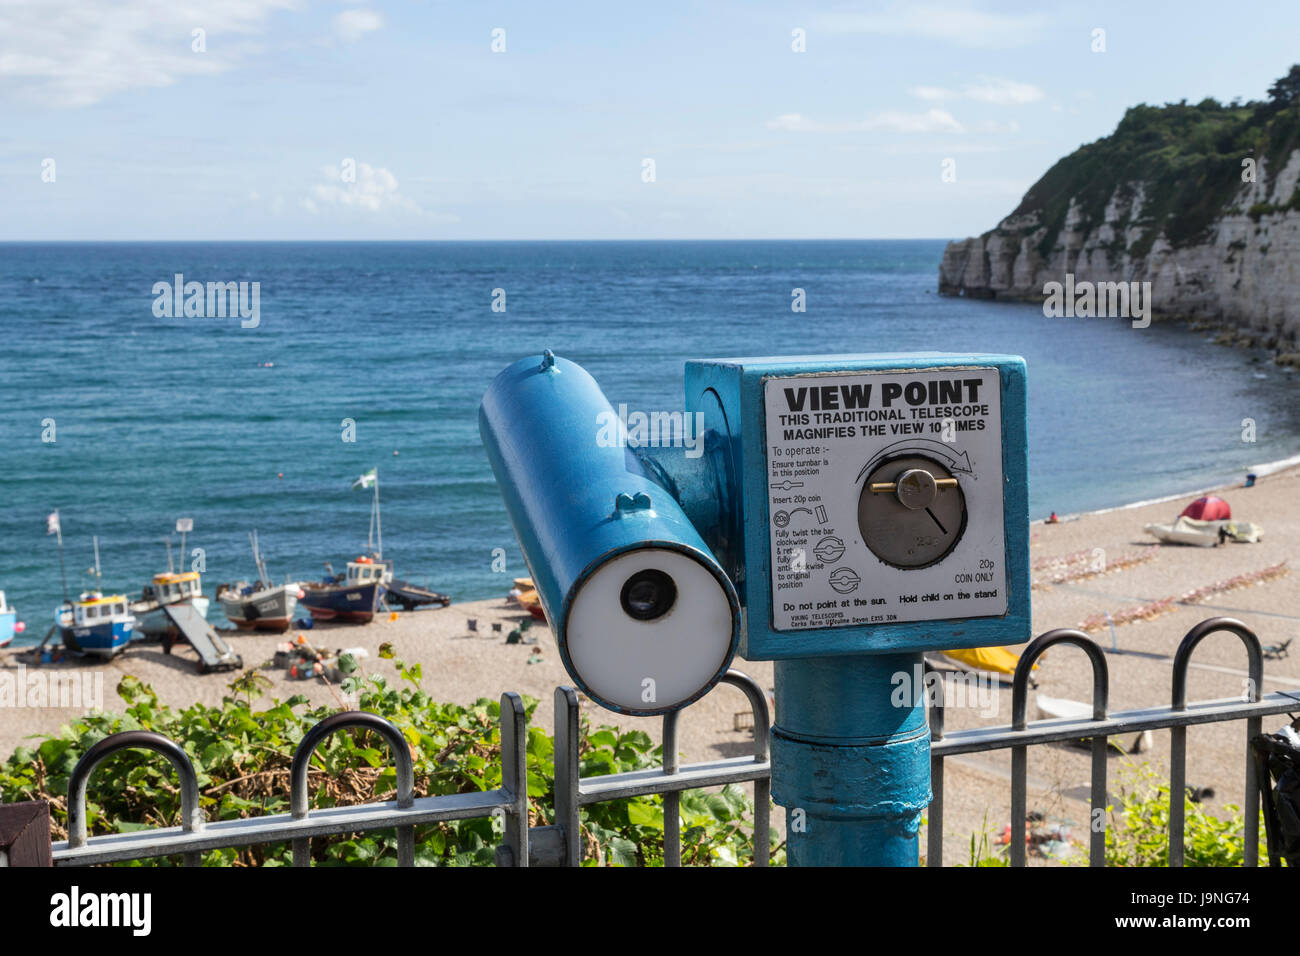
985, 90
67, 53
374, 190
931, 121
352, 25
959, 24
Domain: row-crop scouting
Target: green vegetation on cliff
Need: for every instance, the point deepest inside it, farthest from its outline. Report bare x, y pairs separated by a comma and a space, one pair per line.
1188, 160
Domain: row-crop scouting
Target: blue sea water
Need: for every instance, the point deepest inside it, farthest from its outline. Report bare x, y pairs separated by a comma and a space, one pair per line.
161, 418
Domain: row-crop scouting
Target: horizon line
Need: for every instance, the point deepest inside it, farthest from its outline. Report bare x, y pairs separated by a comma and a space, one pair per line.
377, 241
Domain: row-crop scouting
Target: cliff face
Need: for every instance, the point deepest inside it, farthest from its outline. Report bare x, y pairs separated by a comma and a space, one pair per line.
1214, 248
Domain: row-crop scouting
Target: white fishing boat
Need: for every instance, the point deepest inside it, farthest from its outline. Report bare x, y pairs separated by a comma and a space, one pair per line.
1184, 530
259, 605
170, 587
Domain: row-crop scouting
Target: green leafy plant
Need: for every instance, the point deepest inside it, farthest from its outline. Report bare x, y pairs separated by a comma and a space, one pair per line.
1138, 834
980, 853
242, 757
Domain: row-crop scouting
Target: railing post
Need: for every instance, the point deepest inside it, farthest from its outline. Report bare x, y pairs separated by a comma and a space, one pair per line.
672, 800
934, 826
763, 753
1019, 755
514, 777
567, 735
191, 814
1178, 737
299, 796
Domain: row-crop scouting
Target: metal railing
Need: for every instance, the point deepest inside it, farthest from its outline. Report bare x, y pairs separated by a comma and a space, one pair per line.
557, 845
560, 844
1176, 718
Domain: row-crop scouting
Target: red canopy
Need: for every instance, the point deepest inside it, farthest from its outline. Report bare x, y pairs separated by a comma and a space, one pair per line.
1209, 508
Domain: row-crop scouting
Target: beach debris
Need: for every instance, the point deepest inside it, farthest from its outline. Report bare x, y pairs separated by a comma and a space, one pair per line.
536, 658
1063, 560
1088, 563
1053, 840
1199, 794
1153, 609
471, 625
1249, 579
1275, 652
1139, 612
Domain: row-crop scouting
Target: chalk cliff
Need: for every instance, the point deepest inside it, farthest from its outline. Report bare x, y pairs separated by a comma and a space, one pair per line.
1201, 201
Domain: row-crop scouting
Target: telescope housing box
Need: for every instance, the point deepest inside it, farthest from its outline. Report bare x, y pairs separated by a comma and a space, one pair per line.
870, 504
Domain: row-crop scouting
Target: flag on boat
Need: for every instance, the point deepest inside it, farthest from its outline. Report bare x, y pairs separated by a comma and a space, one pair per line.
366, 480
52, 523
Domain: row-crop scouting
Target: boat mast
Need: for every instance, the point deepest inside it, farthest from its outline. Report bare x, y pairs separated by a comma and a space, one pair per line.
379, 531
58, 527
257, 558
170, 569
98, 576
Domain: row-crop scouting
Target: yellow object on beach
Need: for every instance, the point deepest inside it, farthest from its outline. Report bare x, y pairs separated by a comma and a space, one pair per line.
392, 615
996, 659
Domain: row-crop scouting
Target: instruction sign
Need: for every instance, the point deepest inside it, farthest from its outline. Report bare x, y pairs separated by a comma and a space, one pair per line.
928, 542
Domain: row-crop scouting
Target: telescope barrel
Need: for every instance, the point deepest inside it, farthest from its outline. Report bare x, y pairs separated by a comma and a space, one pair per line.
645, 618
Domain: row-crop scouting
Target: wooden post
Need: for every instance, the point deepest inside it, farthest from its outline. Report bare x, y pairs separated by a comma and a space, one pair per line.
25, 834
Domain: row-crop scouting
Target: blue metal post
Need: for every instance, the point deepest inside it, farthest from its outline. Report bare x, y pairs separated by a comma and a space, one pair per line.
850, 766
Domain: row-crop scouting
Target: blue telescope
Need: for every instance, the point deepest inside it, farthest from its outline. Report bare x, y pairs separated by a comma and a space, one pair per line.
645, 618
845, 514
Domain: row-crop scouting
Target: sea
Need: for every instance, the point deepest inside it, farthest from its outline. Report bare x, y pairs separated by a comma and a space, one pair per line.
126, 420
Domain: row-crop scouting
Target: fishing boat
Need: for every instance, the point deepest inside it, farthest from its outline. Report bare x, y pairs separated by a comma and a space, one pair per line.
96, 625
260, 605
410, 596
168, 588
524, 593
352, 596
171, 587
1184, 530
9, 623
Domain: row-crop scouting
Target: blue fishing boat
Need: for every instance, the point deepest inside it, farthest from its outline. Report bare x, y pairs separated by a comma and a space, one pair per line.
95, 624
352, 596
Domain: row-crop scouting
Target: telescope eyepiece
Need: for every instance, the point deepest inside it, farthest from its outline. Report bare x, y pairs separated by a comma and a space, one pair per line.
648, 594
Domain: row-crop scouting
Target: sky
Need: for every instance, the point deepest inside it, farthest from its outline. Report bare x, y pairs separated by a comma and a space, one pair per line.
294, 119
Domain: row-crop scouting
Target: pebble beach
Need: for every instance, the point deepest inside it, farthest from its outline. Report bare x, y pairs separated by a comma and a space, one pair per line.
461, 664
